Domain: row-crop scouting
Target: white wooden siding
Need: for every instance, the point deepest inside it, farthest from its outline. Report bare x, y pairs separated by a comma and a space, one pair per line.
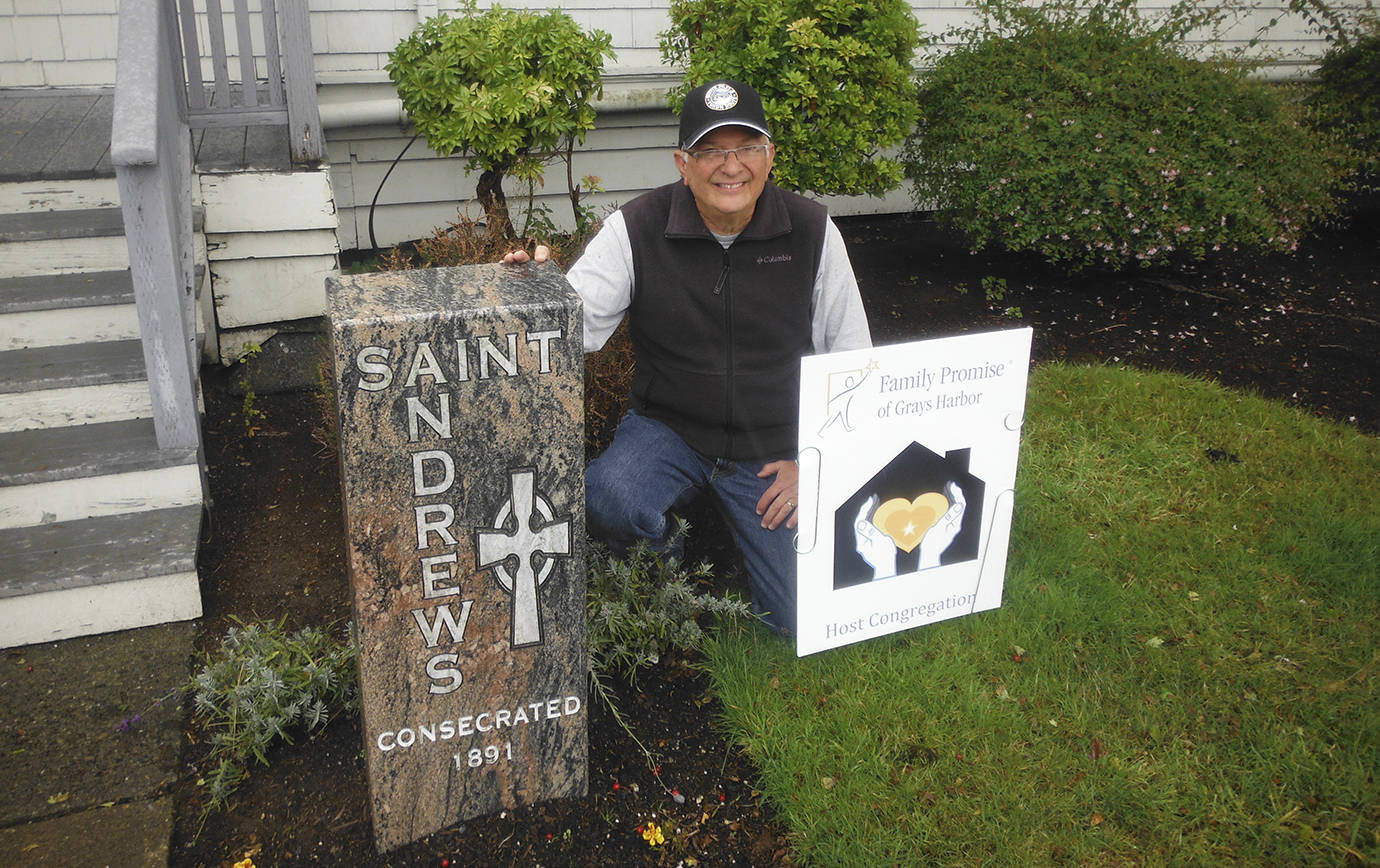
72, 42
354, 35
358, 34
271, 241
629, 152
52, 43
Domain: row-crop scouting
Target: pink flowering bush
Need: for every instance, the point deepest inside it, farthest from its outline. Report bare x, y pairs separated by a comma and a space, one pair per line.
1087, 135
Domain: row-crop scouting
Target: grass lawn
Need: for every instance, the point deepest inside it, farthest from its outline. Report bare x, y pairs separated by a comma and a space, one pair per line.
1183, 670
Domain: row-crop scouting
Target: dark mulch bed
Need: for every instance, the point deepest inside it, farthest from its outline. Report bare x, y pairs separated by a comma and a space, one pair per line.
1303, 329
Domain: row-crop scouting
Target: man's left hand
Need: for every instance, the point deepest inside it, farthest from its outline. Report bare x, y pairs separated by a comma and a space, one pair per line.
778, 504
517, 257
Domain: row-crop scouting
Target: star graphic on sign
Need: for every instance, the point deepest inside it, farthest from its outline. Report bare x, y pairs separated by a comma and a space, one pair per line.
872, 365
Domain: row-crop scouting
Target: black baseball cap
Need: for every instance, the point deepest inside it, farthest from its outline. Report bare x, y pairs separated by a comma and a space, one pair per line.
720, 103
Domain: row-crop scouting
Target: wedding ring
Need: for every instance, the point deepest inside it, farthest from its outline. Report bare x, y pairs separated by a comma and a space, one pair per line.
790, 502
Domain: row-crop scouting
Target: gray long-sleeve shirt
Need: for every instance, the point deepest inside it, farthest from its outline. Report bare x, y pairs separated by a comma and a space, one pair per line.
603, 277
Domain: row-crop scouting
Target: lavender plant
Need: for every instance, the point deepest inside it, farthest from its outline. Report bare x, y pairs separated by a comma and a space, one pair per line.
645, 604
641, 606
261, 684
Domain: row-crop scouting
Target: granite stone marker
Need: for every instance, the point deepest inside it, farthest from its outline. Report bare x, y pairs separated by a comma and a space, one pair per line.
461, 442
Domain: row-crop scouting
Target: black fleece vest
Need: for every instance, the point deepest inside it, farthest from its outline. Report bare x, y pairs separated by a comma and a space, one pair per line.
718, 334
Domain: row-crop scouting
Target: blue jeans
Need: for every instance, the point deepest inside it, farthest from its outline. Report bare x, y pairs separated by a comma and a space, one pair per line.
648, 471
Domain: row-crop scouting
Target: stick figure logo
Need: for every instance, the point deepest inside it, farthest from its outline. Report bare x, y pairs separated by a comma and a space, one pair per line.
843, 387
521, 547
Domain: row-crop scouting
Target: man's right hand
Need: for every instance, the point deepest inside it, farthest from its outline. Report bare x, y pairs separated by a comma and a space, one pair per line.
517, 257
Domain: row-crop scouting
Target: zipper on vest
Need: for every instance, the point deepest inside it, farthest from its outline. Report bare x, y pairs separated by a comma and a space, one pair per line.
723, 288
723, 277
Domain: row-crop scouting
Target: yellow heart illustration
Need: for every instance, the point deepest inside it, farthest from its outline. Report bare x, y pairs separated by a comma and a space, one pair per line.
906, 521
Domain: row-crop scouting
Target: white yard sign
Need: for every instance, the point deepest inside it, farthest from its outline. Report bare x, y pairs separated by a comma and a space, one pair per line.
908, 461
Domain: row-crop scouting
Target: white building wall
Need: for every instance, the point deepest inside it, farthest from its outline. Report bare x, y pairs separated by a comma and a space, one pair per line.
629, 150
357, 35
57, 43
72, 43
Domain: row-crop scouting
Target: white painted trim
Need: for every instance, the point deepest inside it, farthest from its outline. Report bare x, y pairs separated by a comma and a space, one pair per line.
72, 612
207, 329
57, 408
63, 256
271, 245
251, 292
91, 497
267, 201
75, 325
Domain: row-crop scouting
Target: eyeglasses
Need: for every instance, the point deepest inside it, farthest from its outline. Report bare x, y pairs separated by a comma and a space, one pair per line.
719, 156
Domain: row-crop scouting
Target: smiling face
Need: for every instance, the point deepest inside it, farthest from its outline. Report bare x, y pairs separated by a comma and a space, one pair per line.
726, 193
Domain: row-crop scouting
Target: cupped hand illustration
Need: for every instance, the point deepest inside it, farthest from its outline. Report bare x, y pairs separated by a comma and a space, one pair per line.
875, 546
880, 548
939, 537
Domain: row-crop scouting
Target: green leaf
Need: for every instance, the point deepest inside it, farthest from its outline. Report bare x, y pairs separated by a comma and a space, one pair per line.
834, 98
495, 83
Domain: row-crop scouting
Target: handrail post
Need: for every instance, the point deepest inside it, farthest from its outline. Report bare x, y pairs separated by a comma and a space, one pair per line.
150, 148
305, 138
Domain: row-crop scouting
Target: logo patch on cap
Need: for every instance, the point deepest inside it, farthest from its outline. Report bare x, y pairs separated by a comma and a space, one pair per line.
721, 97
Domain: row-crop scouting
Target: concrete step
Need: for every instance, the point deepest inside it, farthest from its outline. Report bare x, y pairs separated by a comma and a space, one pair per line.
85, 471
68, 780
66, 195
62, 242
56, 309
41, 225
94, 575
52, 387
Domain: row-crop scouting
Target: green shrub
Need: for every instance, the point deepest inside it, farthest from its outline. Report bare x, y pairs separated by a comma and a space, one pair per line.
1348, 99
261, 684
1086, 135
509, 88
834, 76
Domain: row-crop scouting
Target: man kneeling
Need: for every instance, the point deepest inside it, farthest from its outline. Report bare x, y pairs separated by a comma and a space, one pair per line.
727, 280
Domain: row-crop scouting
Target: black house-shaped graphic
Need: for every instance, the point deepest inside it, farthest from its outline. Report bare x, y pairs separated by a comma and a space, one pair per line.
915, 470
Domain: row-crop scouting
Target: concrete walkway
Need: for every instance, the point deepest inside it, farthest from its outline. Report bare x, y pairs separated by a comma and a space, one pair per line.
89, 742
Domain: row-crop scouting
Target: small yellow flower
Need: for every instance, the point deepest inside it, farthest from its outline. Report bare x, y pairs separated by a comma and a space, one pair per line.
652, 835
246, 862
